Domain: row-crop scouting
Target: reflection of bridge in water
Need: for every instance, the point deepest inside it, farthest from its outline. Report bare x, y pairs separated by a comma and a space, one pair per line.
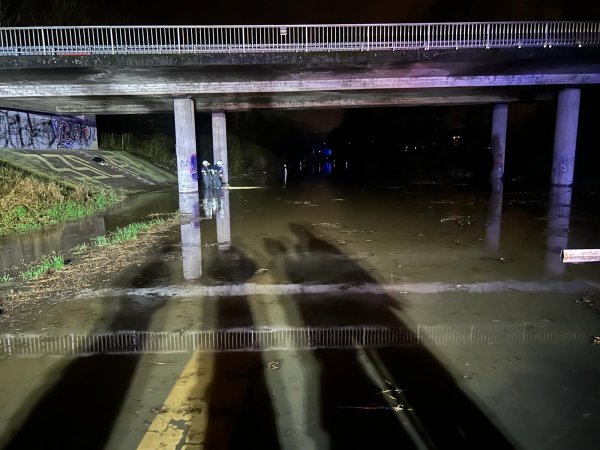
215, 204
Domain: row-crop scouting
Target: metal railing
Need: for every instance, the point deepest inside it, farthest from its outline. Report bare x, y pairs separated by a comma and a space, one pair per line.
284, 338
119, 40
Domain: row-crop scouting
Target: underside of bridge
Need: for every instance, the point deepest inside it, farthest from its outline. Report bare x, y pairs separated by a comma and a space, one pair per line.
316, 83
86, 85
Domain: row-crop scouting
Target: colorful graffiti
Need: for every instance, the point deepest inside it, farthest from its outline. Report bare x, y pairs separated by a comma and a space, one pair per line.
38, 131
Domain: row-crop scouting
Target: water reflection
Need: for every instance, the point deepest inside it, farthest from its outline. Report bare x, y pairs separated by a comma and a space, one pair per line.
557, 233
223, 221
17, 249
22, 248
494, 215
191, 245
216, 205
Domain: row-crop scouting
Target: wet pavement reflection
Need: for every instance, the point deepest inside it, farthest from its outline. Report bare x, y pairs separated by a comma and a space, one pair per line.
327, 317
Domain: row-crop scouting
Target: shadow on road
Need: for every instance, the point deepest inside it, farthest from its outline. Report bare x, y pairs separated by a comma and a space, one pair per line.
79, 410
355, 411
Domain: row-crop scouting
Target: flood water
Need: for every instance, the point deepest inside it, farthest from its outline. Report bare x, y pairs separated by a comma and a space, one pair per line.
323, 316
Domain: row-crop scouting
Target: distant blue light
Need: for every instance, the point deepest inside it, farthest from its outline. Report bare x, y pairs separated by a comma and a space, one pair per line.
327, 168
327, 151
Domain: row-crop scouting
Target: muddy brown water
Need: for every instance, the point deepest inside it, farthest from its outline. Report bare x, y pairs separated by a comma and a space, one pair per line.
318, 316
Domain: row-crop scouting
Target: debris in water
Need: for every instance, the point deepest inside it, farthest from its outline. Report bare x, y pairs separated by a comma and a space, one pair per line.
326, 225
274, 364
461, 221
394, 399
589, 299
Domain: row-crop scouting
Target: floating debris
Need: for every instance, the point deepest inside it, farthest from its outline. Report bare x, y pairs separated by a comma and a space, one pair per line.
274, 364
326, 225
590, 300
394, 398
301, 203
500, 259
461, 221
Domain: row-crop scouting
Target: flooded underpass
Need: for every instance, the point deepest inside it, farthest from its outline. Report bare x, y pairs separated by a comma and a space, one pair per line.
322, 316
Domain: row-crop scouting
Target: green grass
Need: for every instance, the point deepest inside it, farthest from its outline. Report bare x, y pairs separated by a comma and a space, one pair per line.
57, 262
47, 264
124, 234
28, 202
6, 278
156, 148
79, 249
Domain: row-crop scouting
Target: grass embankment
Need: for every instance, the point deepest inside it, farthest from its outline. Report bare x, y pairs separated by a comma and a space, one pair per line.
28, 202
156, 148
244, 157
52, 263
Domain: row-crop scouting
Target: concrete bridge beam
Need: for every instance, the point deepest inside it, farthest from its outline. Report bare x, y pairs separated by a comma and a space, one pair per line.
185, 145
565, 136
219, 133
499, 125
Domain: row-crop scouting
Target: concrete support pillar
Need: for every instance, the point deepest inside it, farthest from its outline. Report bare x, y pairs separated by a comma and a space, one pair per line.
219, 132
499, 124
185, 145
565, 137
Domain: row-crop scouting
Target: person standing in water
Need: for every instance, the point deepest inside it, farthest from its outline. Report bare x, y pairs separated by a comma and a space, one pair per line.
219, 175
207, 176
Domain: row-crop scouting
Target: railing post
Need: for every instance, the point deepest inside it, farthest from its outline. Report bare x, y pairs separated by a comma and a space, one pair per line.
305, 39
368, 37
44, 40
487, 35
178, 40
112, 42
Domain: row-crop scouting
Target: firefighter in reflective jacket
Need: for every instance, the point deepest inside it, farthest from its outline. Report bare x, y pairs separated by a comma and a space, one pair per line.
207, 179
219, 175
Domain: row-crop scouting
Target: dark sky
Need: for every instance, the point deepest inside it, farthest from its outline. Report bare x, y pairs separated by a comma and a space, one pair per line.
215, 12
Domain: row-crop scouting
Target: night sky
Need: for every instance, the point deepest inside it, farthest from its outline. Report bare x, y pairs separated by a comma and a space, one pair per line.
197, 12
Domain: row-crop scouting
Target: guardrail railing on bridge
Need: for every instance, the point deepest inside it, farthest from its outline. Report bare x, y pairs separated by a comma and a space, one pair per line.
113, 40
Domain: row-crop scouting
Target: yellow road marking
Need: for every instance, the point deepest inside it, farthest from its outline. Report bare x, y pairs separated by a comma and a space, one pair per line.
183, 418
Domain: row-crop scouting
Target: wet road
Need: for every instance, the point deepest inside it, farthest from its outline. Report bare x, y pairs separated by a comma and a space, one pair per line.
327, 317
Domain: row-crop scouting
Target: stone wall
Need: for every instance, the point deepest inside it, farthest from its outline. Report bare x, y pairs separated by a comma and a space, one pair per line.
38, 131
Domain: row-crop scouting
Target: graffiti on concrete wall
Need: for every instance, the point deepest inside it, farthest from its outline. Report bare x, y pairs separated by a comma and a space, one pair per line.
38, 131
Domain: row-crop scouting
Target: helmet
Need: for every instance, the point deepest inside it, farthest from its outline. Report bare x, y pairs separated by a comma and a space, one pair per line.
219, 163
205, 163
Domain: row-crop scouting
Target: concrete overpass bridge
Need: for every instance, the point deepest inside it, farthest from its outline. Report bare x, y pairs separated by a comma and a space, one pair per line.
145, 69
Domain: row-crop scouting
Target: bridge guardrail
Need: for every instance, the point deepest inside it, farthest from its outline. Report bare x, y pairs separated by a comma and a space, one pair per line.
118, 40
